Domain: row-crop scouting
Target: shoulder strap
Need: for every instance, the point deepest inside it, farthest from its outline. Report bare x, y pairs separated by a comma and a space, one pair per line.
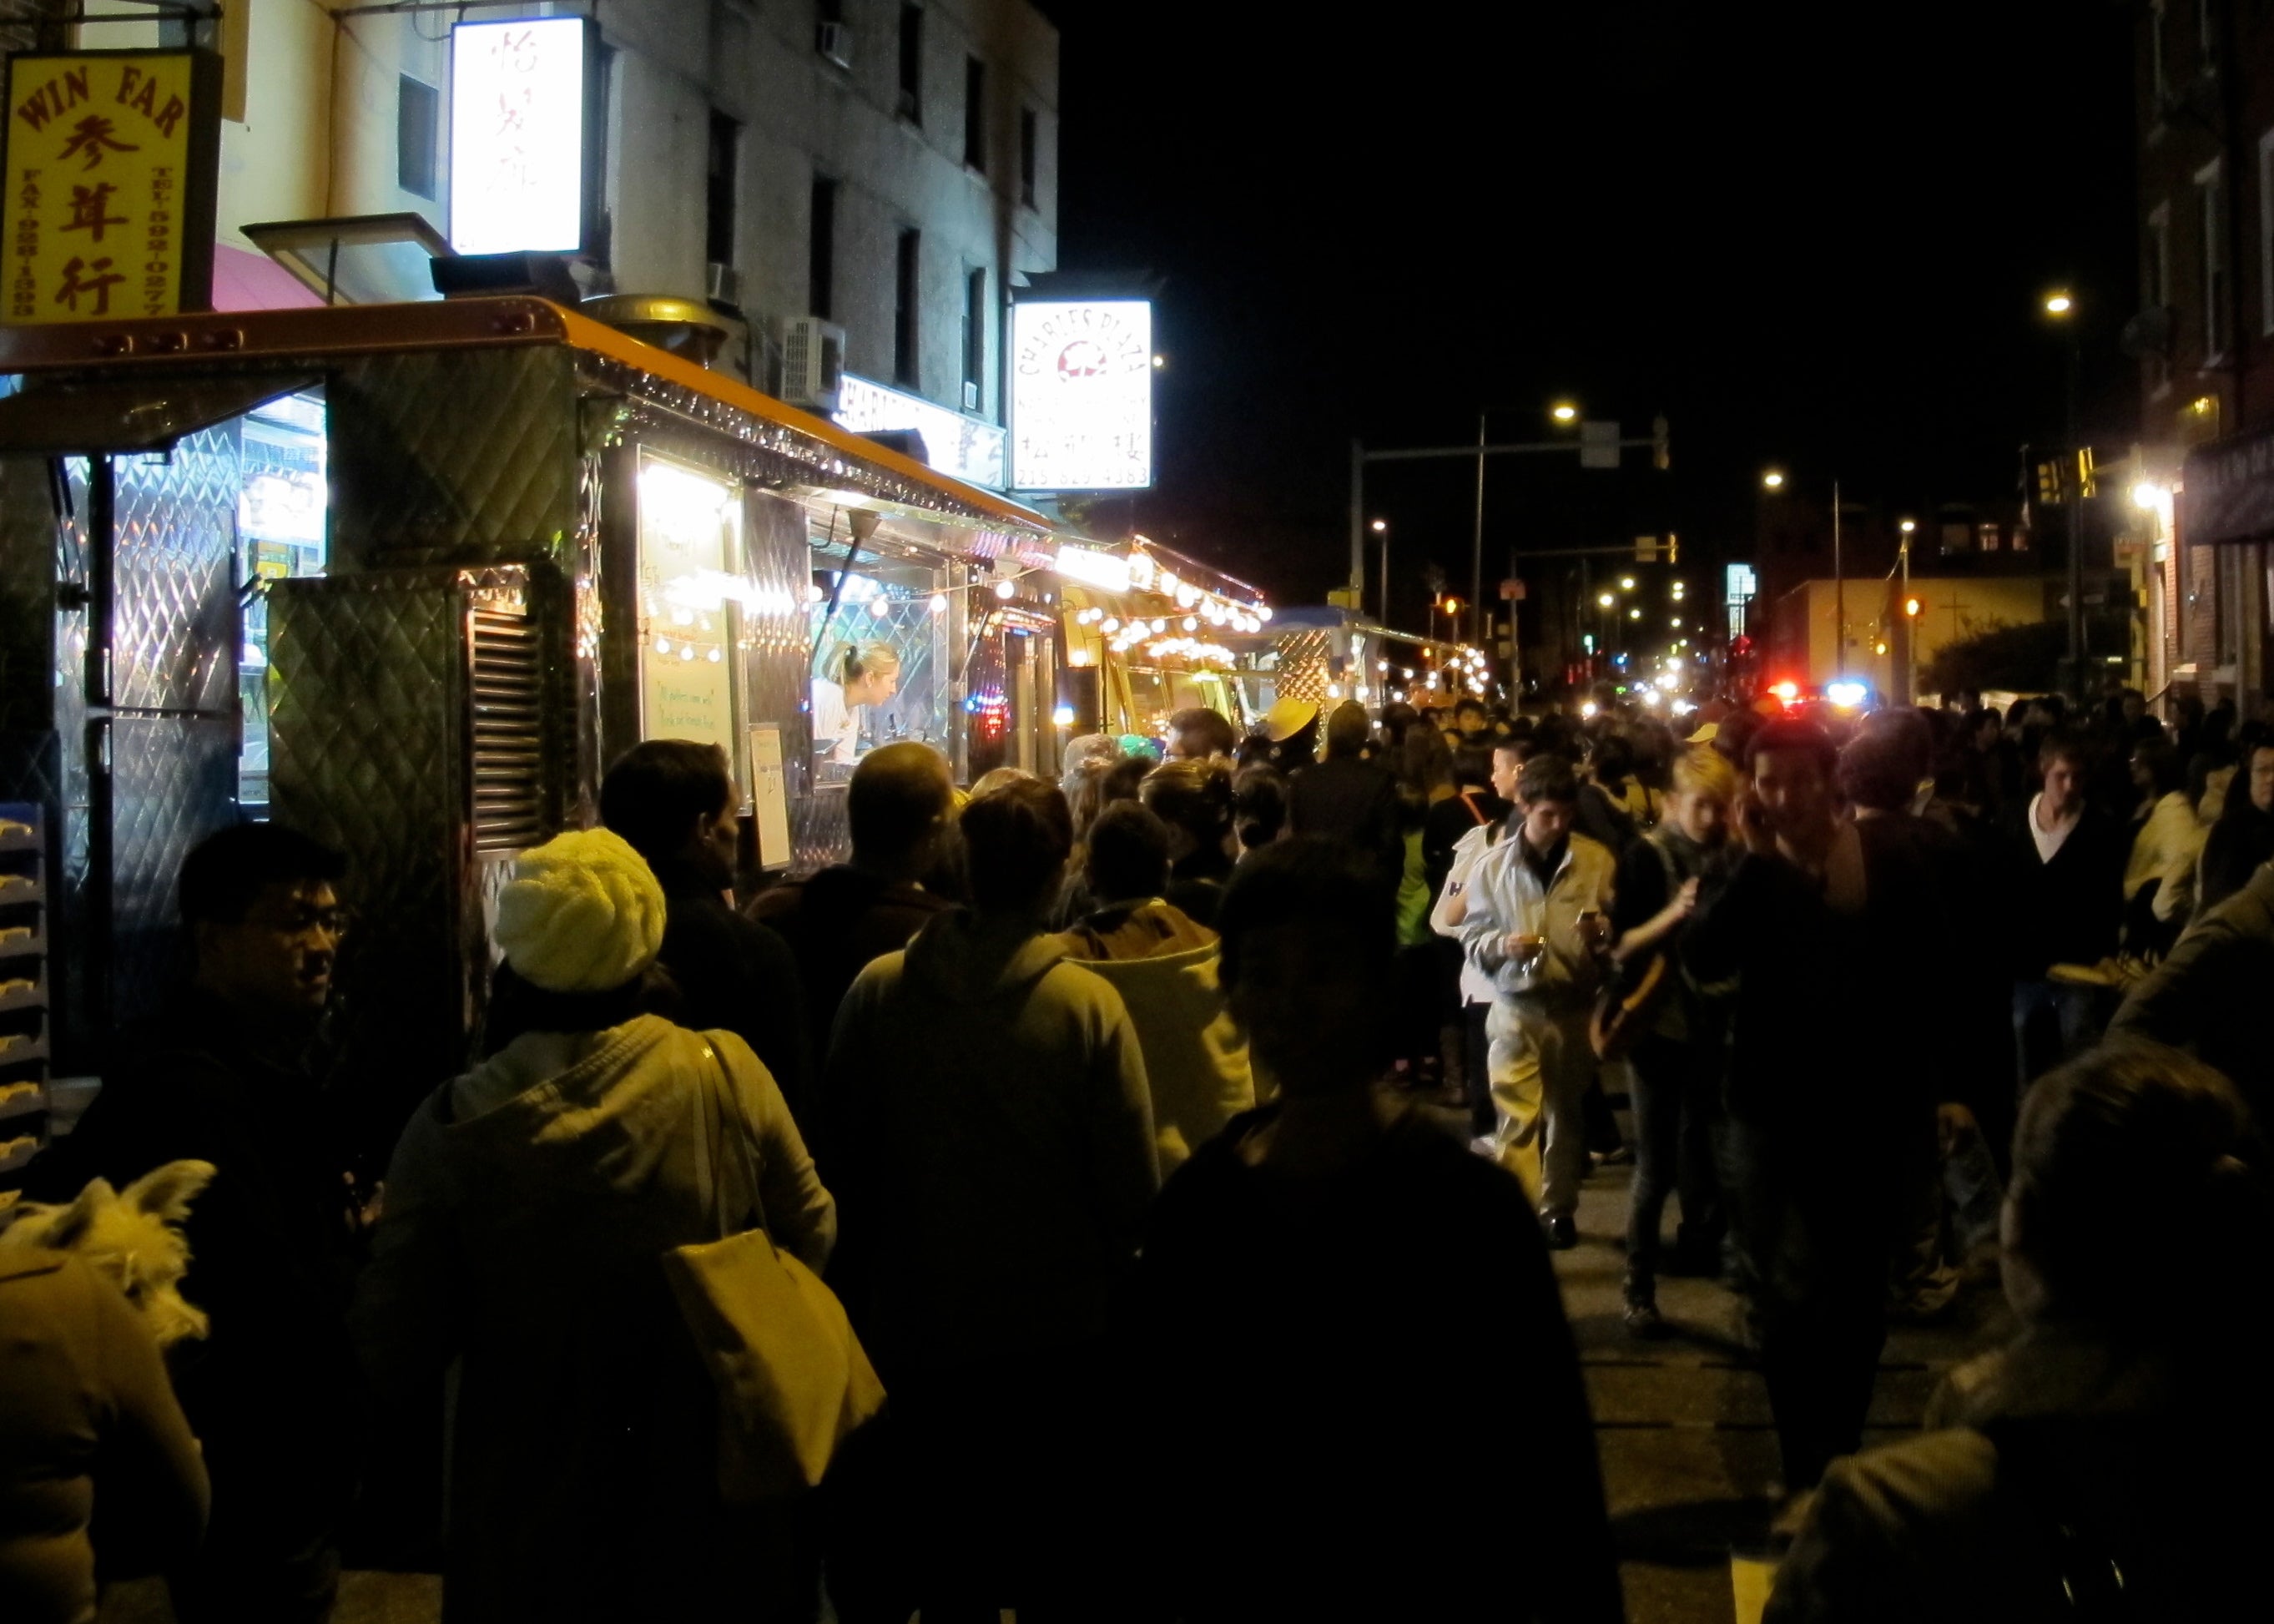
723, 1119
2090, 1578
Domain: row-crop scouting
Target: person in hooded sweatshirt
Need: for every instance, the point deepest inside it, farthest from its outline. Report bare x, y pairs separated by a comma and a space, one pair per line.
2103, 1465
528, 1205
1164, 964
995, 1157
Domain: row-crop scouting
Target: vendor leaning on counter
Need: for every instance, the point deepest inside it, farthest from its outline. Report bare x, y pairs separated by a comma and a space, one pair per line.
860, 675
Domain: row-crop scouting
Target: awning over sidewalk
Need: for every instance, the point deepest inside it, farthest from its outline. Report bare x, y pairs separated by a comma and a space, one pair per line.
2227, 491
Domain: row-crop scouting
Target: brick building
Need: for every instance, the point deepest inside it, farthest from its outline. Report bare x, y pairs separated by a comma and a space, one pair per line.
2204, 471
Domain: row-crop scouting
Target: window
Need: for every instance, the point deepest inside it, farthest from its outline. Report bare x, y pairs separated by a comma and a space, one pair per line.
821, 248
2266, 231
2157, 277
904, 325
1029, 140
2212, 212
974, 114
975, 339
2159, 77
718, 196
418, 110
912, 63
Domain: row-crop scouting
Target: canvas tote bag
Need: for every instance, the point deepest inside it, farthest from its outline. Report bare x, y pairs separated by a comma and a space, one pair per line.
793, 1380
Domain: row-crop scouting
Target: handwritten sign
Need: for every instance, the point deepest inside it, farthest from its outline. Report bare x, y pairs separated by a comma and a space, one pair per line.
111, 158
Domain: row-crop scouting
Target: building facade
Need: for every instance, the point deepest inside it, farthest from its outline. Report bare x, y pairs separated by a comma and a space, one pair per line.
888, 166
2203, 509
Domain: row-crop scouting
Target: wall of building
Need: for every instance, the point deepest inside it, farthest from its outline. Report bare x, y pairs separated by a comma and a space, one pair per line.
1805, 639
2205, 116
319, 130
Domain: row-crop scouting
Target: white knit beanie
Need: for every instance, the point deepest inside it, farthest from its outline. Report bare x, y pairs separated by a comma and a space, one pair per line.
581, 913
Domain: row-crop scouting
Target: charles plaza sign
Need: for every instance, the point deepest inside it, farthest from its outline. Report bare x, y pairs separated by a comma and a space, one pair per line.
110, 163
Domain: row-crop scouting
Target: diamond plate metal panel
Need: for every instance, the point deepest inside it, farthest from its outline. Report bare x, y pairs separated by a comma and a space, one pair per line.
176, 784
367, 742
176, 628
27, 595
452, 456
369, 713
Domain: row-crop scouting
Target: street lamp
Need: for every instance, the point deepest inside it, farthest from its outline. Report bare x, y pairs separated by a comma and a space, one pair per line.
1382, 531
1565, 411
1605, 599
1626, 583
1773, 480
2059, 306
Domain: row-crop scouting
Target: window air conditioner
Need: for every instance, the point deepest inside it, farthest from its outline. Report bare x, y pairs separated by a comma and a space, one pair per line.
723, 284
970, 397
834, 41
813, 362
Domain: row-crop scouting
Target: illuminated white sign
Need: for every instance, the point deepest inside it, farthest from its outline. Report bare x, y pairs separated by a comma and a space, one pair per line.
1742, 583
965, 446
1093, 567
517, 136
1081, 395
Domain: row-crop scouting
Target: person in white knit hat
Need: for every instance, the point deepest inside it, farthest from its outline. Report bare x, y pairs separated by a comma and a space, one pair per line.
527, 1205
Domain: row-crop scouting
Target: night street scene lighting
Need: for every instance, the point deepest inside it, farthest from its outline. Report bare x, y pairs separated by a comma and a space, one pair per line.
774, 683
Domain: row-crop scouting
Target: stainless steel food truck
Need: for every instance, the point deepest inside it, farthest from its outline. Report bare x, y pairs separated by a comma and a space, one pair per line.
408, 577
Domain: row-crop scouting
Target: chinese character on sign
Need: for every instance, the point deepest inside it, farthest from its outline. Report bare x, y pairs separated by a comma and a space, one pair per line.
99, 285
93, 136
90, 210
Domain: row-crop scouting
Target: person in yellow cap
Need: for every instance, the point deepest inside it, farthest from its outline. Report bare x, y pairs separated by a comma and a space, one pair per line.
527, 1203
1292, 728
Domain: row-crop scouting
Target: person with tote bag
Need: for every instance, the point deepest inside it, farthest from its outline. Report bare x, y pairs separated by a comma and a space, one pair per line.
530, 1206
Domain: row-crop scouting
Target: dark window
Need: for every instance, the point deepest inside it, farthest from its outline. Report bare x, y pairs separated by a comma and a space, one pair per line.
974, 114
912, 63
417, 108
905, 291
821, 249
1030, 155
718, 198
975, 341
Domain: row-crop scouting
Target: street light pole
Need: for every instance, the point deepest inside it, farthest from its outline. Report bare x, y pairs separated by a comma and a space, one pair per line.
1839, 594
2076, 651
1477, 553
1382, 530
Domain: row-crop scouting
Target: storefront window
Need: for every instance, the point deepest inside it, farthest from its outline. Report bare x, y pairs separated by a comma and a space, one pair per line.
883, 668
280, 526
690, 587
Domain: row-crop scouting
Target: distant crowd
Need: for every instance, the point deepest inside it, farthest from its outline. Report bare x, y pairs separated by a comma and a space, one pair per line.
1183, 1143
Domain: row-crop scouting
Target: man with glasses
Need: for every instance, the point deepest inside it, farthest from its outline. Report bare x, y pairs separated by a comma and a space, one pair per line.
227, 1072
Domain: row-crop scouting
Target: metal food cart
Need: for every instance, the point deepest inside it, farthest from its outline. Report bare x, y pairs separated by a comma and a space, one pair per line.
409, 578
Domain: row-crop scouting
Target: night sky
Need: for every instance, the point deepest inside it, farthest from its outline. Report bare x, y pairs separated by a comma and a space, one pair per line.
1815, 236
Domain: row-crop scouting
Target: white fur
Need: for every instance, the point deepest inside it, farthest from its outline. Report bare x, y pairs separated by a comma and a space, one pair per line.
132, 1238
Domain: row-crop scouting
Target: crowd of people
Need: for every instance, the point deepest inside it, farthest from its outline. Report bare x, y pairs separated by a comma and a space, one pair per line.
1187, 1141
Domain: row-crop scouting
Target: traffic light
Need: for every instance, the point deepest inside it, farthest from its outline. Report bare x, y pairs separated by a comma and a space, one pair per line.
1673, 541
1661, 444
2049, 484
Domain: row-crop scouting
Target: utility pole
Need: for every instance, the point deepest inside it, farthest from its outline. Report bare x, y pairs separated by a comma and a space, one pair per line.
1477, 550
2077, 652
1357, 522
1839, 594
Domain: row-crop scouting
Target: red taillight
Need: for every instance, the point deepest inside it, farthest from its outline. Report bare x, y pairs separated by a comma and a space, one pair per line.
1785, 691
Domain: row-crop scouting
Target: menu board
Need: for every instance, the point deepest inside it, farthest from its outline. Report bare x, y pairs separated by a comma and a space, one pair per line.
688, 529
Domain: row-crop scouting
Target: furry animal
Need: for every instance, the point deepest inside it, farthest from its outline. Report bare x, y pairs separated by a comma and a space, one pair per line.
132, 1237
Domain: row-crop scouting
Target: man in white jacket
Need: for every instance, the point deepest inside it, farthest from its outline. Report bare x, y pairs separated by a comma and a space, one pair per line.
1537, 921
